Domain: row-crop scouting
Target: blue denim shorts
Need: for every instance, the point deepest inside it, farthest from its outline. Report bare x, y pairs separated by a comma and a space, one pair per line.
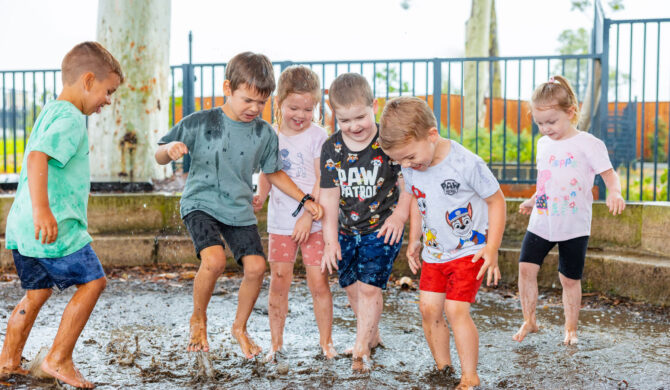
367, 259
80, 267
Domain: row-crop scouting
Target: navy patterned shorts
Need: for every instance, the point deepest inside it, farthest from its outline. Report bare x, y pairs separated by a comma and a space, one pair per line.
367, 259
206, 231
80, 267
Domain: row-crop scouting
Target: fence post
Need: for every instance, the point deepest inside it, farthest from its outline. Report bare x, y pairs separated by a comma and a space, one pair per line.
437, 92
188, 99
603, 109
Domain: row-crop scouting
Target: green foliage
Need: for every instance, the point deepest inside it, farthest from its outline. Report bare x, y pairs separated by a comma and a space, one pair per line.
8, 159
178, 102
647, 185
393, 80
574, 41
480, 142
662, 146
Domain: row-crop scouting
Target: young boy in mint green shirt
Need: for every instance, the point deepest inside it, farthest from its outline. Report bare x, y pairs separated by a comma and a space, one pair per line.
46, 226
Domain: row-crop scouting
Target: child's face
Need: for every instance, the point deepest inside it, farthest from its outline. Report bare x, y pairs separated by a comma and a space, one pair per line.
416, 154
245, 103
552, 122
357, 122
98, 93
297, 111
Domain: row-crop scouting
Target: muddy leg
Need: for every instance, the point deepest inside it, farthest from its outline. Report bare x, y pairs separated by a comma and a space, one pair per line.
322, 300
18, 328
280, 284
528, 294
254, 269
466, 338
352, 296
211, 267
572, 302
370, 305
431, 305
58, 362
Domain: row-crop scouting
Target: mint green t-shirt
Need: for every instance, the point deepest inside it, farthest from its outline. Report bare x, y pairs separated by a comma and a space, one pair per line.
224, 155
59, 132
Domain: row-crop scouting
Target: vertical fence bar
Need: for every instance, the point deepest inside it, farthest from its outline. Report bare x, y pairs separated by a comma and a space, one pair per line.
14, 116
400, 78
388, 84
601, 130
579, 61
477, 108
34, 116
449, 99
533, 129
644, 80
462, 80
213, 88
518, 127
490, 113
44, 88
437, 92
55, 89
413, 78
658, 57
23, 108
4, 126
504, 150
630, 96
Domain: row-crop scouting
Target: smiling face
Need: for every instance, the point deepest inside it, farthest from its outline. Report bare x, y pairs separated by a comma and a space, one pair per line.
357, 123
243, 104
297, 112
416, 153
98, 93
554, 123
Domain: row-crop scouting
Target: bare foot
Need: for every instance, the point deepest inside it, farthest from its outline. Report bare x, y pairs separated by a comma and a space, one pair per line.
468, 383
198, 338
6, 372
329, 351
526, 327
349, 351
67, 373
248, 346
570, 337
377, 343
361, 364
271, 356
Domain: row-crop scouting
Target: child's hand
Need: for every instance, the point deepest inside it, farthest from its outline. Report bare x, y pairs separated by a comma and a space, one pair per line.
331, 254
45, 222
392, 229
414, 256
176, 150
615, 203
302, 228
257, 203
490, 265
526, 207
315, 209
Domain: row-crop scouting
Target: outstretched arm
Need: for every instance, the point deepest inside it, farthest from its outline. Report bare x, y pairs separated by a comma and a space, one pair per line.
38, 178
169, 152
614, 200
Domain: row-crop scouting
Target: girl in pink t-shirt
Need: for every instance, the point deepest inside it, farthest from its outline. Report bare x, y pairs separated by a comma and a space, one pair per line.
300, 141
560, 210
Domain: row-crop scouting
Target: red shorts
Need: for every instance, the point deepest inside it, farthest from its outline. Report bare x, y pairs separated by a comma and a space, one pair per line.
457, 278
283, 249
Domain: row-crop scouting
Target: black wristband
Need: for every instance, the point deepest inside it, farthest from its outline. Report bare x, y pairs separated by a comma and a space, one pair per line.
302, 203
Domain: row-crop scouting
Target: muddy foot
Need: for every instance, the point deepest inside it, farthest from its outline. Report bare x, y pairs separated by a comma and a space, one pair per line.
349, 351
273, 356
526, 327
329, 351
570, 337
361, 364
198, 337
6, 372
67, 373
249, 348
468, 383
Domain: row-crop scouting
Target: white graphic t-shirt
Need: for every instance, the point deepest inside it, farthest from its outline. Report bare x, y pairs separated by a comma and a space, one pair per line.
565, 173
451, 197
297, 154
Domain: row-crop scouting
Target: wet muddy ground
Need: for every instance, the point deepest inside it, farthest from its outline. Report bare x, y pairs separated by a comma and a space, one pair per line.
137, 336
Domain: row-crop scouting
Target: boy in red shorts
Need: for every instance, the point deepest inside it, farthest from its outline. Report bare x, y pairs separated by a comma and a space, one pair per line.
460, 211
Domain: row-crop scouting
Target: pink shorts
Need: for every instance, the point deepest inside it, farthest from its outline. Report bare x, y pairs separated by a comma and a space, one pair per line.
283, 249
457, 278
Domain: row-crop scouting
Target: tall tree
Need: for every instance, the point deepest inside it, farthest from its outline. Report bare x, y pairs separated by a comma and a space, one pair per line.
124, 136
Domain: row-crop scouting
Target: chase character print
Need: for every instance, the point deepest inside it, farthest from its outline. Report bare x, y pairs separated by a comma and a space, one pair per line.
461, 223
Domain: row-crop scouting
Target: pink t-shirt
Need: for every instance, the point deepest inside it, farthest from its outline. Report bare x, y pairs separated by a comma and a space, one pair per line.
565, 173
297, 154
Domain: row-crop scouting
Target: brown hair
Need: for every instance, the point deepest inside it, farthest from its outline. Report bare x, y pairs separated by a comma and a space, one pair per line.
405, 119
348, 89
252, 69
296, 79
556, 93
89, 57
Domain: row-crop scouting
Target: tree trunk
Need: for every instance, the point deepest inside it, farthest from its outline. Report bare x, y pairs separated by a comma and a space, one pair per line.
477, 38
591, 100
494, 51
123, 137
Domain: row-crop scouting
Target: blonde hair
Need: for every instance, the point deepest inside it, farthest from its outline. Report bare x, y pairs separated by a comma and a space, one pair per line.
252, 69
296, 79
348, 89
89, 57
556, 93
403, 120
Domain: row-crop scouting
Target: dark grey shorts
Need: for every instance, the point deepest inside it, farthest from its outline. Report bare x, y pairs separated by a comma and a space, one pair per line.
206, 231
571, 253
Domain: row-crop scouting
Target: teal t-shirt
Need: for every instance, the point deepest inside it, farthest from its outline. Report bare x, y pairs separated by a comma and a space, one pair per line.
224, 155
59, 132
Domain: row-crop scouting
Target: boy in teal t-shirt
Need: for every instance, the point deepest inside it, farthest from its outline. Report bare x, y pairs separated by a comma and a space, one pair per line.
46, 226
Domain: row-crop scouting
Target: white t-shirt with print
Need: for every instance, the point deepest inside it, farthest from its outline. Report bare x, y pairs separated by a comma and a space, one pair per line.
451, 197
297, 154
565, 173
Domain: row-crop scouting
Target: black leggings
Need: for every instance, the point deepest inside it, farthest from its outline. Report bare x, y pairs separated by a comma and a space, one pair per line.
571, 253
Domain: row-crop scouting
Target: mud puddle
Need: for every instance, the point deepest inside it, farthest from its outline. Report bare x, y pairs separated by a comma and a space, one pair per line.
137, 336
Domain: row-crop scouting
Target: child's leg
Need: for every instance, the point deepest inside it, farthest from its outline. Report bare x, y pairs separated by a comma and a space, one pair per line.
572, 302
322, 300
528, 295
280, 284
58, 362
18, 328
369, 311
466, 339
254, 269
432, 306
212, 265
